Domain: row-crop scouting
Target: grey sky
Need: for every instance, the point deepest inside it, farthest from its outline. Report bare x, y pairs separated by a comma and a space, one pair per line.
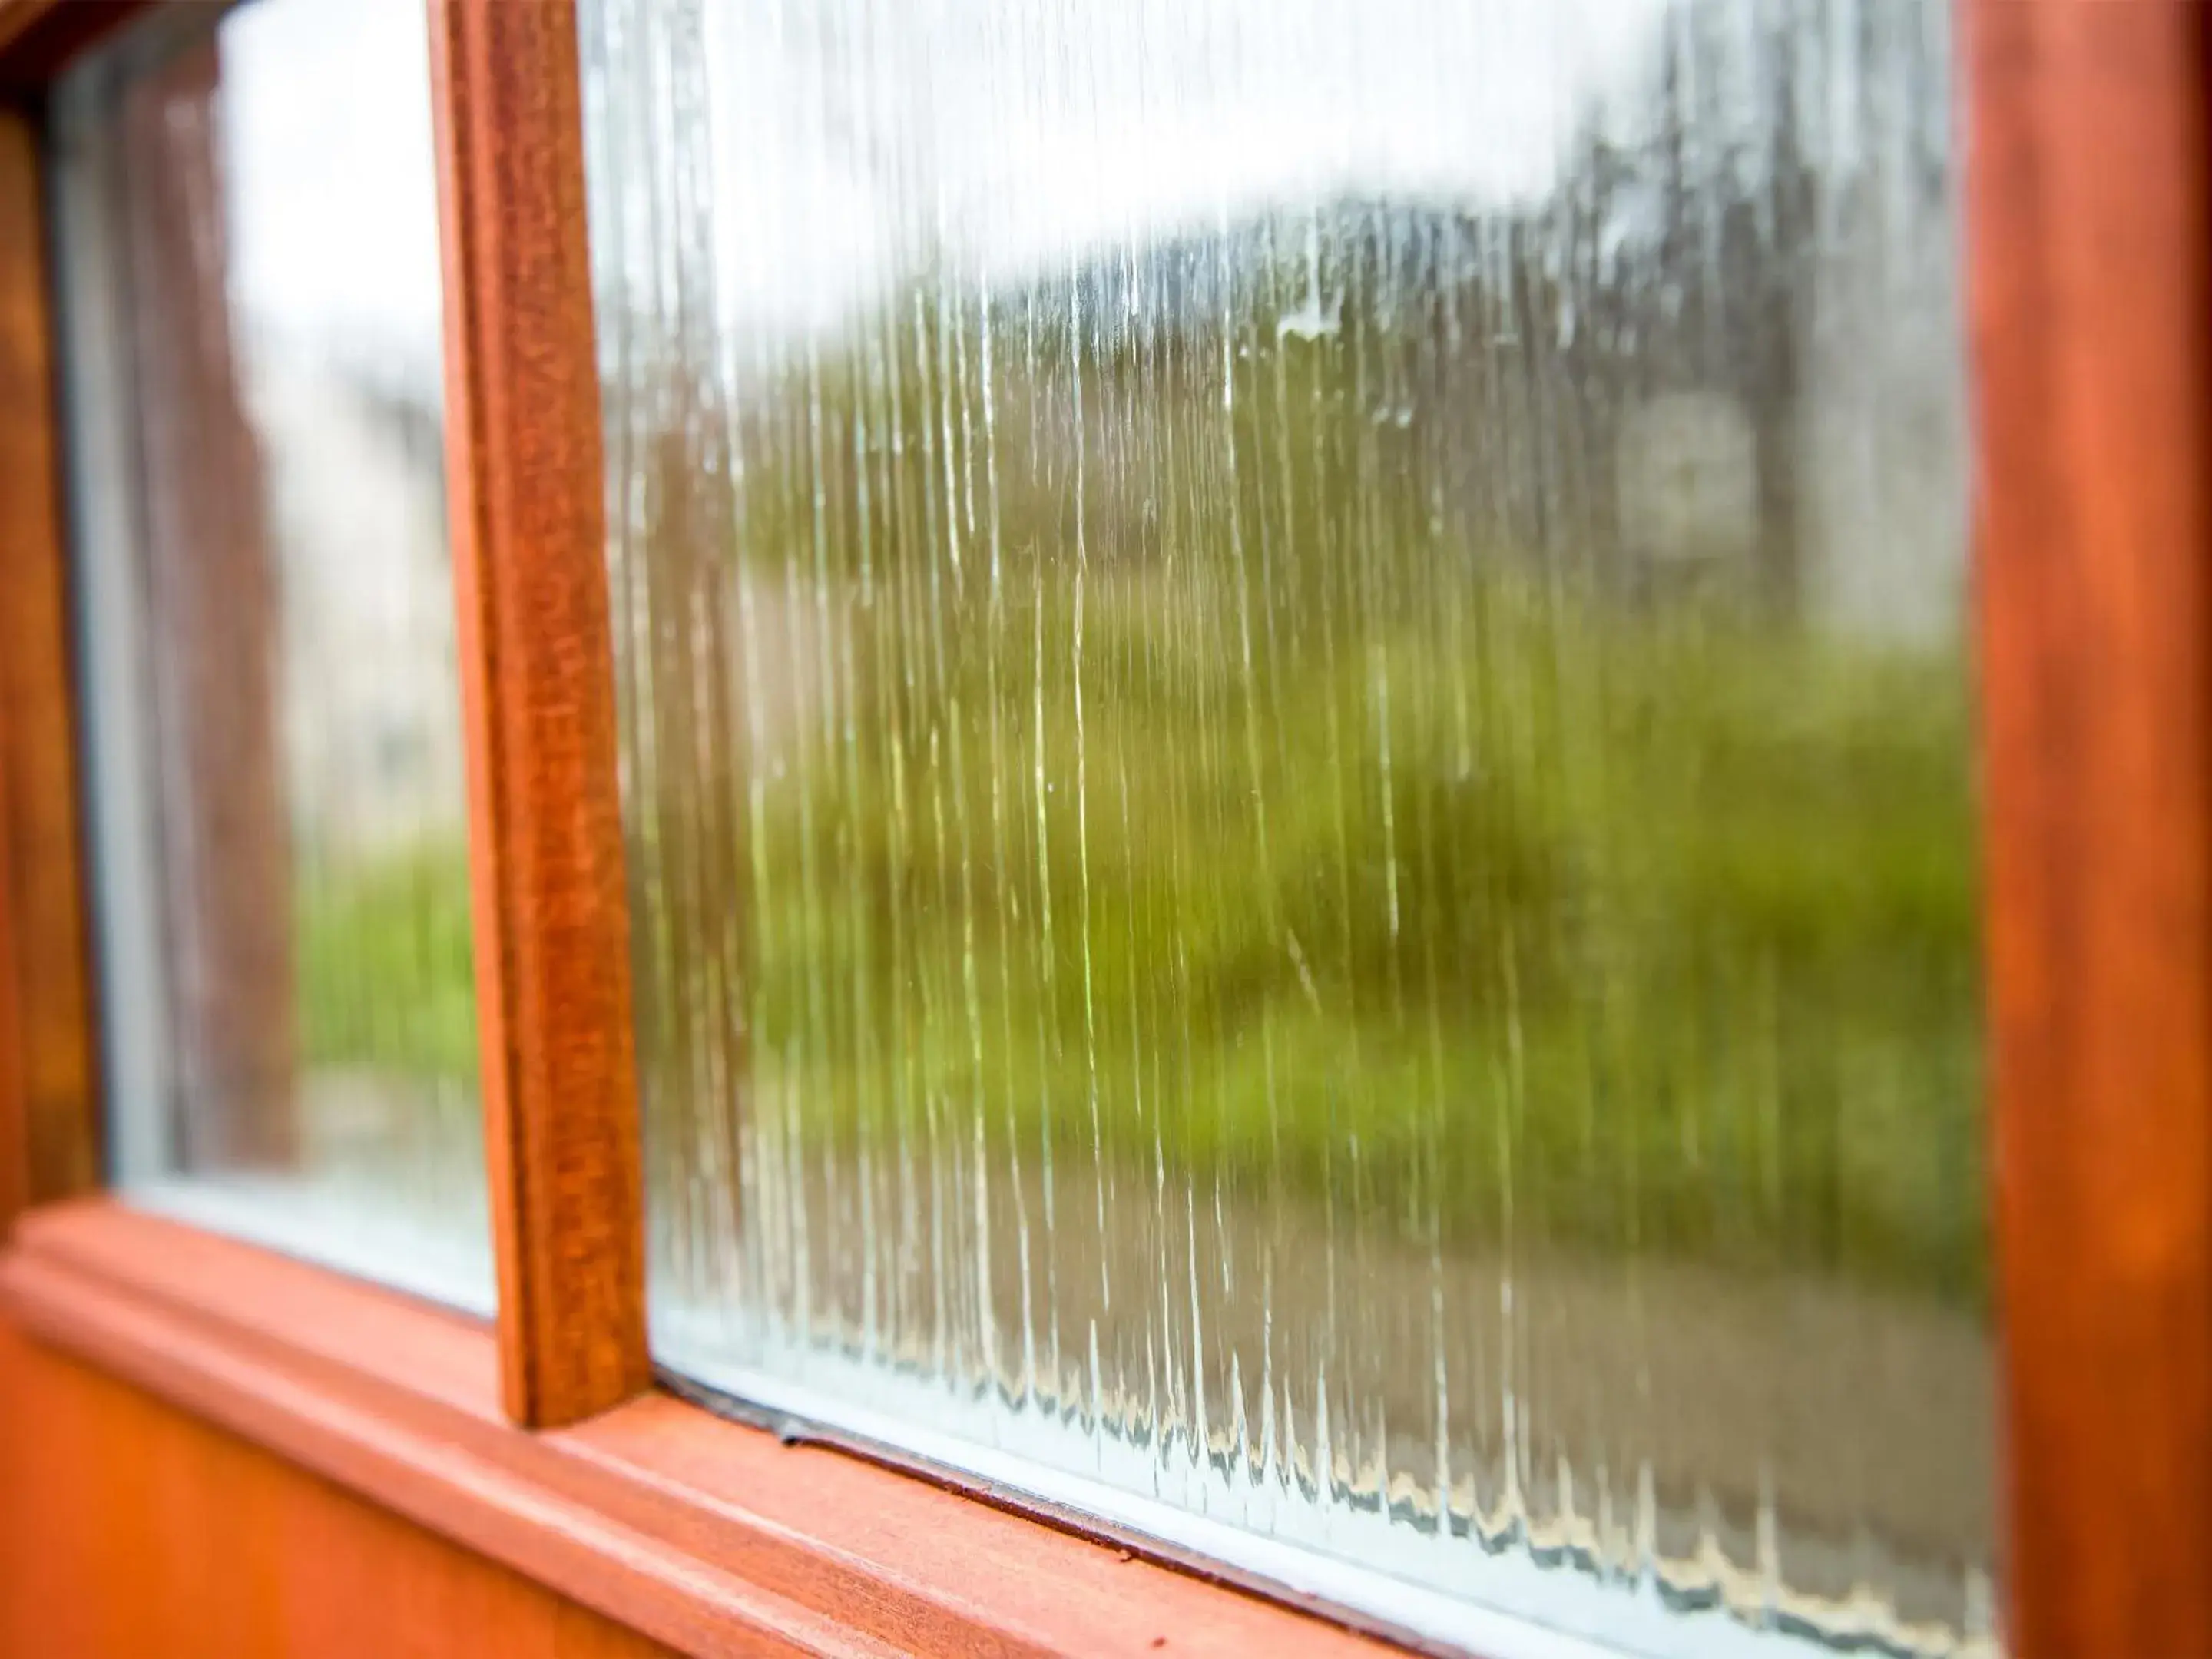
850, 139
1016, 133
333, 204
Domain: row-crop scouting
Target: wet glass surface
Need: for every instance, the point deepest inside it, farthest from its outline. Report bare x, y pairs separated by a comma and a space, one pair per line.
249, 224
1296, 756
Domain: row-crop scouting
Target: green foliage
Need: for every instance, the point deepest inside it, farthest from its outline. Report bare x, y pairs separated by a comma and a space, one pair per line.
383, 966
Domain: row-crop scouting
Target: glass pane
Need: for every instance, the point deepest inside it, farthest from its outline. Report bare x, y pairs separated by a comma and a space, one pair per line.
1299, 775
249, 227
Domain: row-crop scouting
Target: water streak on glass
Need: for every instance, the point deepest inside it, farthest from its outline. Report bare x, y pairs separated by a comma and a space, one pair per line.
249, 222
1297, 755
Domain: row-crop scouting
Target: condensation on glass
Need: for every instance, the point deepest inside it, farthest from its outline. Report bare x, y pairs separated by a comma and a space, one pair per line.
1298, 766
249, 263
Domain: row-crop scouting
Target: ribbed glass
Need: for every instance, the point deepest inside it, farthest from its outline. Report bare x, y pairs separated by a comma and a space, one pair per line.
1297, 762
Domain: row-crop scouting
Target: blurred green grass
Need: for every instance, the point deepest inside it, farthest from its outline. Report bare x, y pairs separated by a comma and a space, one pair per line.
1645, 936
1684, 957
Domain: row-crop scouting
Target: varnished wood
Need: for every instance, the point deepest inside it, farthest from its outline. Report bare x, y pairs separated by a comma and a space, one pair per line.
15, 1134
2092, 321
708, 1535
38, 38
17, 172
48, 1139
129, 1529
552, 933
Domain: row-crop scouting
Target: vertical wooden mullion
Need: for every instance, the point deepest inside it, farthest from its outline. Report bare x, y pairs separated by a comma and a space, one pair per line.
546, 856
2091, 254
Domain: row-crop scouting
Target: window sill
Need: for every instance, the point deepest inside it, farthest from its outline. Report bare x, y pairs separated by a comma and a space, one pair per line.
705, 1535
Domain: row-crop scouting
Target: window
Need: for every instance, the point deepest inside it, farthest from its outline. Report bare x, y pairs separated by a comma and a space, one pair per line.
1296, 749
1250, 722
249, 234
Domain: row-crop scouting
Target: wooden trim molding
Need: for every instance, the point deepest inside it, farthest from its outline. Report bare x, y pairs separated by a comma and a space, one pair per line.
2091, 254
22, 330
551, 917
49, 1140
708, 1535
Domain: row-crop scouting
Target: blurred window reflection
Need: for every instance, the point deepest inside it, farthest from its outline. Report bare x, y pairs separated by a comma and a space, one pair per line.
249, 239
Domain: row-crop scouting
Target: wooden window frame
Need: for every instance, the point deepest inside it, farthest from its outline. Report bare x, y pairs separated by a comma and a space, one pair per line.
540, 1441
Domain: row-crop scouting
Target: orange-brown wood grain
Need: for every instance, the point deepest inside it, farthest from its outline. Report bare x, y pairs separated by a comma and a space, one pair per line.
129, 1529
48, 1145
2091, 256
713, 1538
552, 933
14, 1136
